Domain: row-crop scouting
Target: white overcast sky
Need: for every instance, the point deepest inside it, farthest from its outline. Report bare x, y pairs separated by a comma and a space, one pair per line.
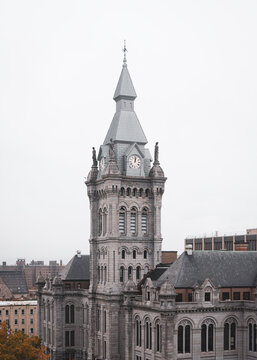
194, 68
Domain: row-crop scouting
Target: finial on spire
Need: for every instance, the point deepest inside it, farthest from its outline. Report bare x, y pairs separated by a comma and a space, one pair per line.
124, 51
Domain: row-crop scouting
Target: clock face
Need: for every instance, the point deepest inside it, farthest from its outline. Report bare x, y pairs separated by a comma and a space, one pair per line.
102, 163
134, 162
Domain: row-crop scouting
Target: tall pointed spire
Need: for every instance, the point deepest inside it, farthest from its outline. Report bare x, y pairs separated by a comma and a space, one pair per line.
125, 88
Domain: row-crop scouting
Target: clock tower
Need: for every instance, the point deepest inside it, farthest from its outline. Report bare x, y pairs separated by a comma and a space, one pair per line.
125, 191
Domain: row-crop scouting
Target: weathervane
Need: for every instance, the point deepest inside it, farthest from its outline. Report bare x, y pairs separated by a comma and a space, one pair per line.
125, 51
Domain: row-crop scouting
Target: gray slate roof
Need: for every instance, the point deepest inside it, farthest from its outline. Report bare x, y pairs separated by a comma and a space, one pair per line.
15, 280
223, 268
125, 87
77, 269
125, 126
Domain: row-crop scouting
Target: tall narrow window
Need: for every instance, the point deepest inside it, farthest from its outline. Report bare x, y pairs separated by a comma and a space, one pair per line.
184, 338
134, 254
105, 274
180, 339
122, 220
250, 335
133, 220
123, 254
121, 273
144, 221
158, 337
130, 272
145, 254
104, 221
100, 222
138, 272
138, 332
148, 334
207, 337
230, 335
187, 339
203, 338
72, 315
105, 321
67, 314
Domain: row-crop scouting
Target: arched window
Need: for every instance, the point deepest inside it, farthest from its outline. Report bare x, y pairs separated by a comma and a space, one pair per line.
184, 338
230, 334
121, 273
252, 336
100, 222
134, 193
130, 269
141, 192
158, 337
147, 192
148, 334
128, 191
123, 254
122, 191
144, 221
133, 220
138, 332
207, 336
98, 273
134, 254
69, 314
138, 272
145, 254
122, 220
104, 221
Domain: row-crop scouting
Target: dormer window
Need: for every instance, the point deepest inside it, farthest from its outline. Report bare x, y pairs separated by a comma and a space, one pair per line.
207, 296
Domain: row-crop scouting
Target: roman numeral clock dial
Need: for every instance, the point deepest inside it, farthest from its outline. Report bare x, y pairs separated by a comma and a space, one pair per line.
134, 162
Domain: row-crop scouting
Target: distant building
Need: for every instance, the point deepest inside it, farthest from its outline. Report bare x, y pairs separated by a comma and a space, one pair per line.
13, 284
20, 315
242, 242
20, 278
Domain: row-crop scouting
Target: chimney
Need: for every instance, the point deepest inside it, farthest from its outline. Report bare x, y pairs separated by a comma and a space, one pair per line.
189, 249
78, 253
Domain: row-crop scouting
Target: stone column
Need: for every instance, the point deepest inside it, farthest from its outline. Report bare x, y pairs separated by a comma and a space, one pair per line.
219, 343
196, 344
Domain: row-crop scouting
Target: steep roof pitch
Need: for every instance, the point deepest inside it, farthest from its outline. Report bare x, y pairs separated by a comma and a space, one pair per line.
223, 268
125, 87
15, 280
125, 126
77, 269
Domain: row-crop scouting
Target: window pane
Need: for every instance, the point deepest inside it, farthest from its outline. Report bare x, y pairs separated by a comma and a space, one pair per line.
144, 222
122, 222
254, 337
187, 339
210, 337
233, 337
67, 313
133, 222
72, 314
180, 339
203, 338
250, 334
226, 336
